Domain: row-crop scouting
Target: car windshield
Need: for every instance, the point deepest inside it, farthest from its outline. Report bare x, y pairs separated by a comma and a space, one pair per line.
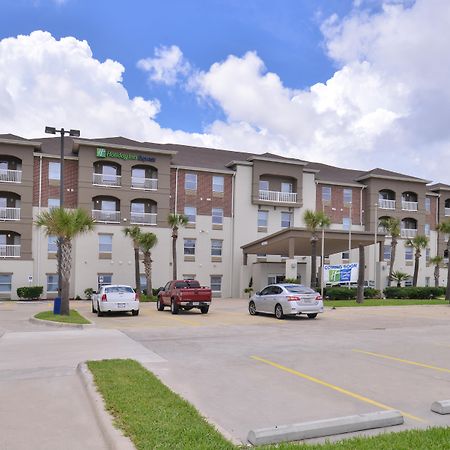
298, 289
187, 284
118, 289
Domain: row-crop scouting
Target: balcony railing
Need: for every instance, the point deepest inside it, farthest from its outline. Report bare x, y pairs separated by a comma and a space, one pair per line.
150, 184
386, 204
9, 213
9, 251
279, 197
447, 212
143, 218
408, 233
10, 176
101, 179
409, 206
106, 216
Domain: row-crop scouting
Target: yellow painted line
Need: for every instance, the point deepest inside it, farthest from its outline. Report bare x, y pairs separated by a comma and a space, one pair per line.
405, 361
335, 388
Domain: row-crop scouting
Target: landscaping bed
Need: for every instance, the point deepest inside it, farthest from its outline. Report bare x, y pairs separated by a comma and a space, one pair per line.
385, 302
74, 317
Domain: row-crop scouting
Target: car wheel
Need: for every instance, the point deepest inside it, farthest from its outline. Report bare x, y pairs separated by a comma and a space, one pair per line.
93, 308
99, 313
252, 308
204, 309
135, 312
173, 307
312, 315
159, 305
279, 312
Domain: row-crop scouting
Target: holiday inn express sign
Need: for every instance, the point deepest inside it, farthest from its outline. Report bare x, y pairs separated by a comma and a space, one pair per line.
341, 273
103, 153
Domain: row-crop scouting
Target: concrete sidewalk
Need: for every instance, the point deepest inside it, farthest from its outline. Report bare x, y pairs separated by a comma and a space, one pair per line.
43, 404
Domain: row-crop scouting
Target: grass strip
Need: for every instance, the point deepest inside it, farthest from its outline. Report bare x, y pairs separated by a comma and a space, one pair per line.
74, 317
386, 302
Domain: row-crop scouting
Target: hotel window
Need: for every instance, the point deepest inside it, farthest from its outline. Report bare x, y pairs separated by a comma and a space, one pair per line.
217, 216
263, 219
189, 247
427, 281
347, 196
143, 280
105, 243
216, 247
345, 255
190, 182
216, 283
428, 204
54, 171
409, 253
52, 282
217, 183
53, 203
286, 219
5, 282
387, 252
104, 279
286, 187
346, 223
191, 213
263, 185
427, 255
326, 193
427, 229
52, 244
408, 282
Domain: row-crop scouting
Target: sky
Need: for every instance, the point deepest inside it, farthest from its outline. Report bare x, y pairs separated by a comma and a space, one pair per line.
353, 83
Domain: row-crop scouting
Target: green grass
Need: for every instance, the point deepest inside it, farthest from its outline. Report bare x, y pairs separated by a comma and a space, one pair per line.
386, 302
74, 317
156, 418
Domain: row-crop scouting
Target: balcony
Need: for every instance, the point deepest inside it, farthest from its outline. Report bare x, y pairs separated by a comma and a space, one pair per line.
9, 213
106, 216
10, 176
409, 206
386, 204
143, 218
447, 212
278, 197
408, 233
148, 184
9, 251
100, 179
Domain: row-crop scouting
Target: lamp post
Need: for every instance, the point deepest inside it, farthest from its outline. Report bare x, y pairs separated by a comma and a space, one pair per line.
62, 132
349, 237
375, 242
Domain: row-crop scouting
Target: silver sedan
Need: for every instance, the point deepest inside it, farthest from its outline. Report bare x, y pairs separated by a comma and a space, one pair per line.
286, 299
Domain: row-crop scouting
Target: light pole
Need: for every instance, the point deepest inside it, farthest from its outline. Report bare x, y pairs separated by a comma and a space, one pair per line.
349, 237
63, 132
376, 248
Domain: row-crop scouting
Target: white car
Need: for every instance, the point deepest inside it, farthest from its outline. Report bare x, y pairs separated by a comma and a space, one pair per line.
286, 299
115, 298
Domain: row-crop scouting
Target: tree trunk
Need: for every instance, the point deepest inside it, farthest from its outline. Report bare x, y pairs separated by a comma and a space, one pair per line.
399, 283
174, 252
436, 275
66, 266
416, 267
362, 263
148, 272
314, 262
447, 292
137, 272
391, 267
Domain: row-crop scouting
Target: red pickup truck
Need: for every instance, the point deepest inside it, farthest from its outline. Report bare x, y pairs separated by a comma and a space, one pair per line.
184, 294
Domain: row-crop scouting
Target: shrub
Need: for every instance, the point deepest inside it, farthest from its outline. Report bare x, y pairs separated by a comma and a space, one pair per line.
372, 293
344, 293
414, 292
292, 280
156, 291
88, 293
148, 298
30, 292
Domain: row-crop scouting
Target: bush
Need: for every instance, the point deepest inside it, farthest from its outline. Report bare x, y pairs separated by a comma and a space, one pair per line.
30, 292
88, 293
148, 298
414, 292
344, 293
372, 293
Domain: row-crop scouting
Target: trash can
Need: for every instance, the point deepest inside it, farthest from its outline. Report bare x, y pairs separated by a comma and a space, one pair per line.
57, 305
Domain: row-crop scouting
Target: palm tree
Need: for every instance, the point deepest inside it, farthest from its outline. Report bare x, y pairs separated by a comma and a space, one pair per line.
437, 261
392, 227
418, 242
66, 225
146, 242
444, 227
176, 221
134, 232
315, 221
399, 276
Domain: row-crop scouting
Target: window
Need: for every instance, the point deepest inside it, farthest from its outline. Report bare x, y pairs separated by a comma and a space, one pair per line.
143, 281
105, 243
409, 253
347, 196
427, 281
189, 247
387, 252
428, 204
345, 255
53, 203
427, 229
408, 282
54, 171
286, 187
216, 283
52, 282
263, 185
191, 213
427, 255
103, 279
216, 247
190, 182
346, 223
217, 183
263, 219
326, 193
286, 219
189, 276
217, 216
52, 244
5, 282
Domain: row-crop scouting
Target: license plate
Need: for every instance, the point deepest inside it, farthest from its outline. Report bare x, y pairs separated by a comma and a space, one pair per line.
307, 300
195, 303
121, 305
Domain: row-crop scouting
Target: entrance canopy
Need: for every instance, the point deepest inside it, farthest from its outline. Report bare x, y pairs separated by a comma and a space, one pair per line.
297, 242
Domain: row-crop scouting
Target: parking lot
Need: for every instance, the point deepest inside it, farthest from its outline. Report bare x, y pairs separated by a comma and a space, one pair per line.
246, 372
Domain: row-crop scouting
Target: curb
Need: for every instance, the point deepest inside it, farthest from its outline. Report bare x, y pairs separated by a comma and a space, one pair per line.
326, 427
51, 323
441, 407
114, 438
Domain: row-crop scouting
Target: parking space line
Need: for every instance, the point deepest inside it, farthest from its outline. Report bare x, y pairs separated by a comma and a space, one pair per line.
405, 361
335, 388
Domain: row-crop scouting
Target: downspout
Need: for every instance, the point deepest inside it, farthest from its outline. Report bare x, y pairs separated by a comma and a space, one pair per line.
438, 205
232, 233
360, 205
38, 265
176, 190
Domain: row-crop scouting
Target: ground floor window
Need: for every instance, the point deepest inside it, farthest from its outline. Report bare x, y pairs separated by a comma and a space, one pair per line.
345, 255
427, 281
52, 282
103, 279
5, 282
143, 280
275, 278
216, 283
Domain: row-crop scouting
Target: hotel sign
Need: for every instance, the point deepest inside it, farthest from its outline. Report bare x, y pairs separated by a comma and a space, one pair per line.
103, 153
341, 273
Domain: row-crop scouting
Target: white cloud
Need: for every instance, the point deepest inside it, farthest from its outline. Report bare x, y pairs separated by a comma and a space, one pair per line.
167, 66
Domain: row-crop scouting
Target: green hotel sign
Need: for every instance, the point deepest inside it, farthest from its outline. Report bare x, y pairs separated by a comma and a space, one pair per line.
103, 153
